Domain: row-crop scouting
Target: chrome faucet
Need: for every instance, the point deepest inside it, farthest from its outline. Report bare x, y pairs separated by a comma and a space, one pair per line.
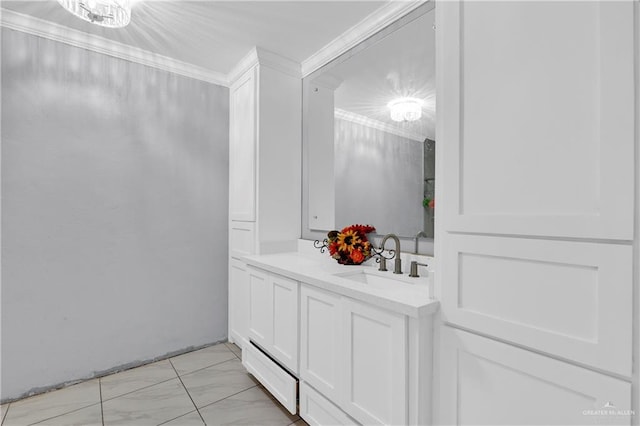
397, 265
418, 235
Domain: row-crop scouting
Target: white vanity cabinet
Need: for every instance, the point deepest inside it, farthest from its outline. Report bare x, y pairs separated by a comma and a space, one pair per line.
356, 356
346, 353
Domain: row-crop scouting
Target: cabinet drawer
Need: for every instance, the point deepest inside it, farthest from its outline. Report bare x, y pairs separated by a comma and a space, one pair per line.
281, 384
315, 409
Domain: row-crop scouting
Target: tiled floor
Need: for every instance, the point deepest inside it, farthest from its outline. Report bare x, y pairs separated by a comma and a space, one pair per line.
208, 386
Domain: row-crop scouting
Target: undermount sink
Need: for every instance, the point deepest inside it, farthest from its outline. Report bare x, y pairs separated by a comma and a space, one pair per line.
373, 278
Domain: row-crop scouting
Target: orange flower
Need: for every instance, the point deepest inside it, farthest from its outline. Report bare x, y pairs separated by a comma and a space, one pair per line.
432, 203
347, 240
357, 256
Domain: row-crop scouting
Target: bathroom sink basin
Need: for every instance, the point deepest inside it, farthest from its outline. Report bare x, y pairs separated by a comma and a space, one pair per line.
382, 280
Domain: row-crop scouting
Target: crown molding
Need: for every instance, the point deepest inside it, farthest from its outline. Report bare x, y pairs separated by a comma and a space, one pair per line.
376, 124
379, 19
259, 56
49, 30
376, 21
247, 62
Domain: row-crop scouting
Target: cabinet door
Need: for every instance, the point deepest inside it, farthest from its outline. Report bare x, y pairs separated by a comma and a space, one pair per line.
242, 148
485, 382
260, 308
376, 364
320, 346
238, 302
284, 346
536, 141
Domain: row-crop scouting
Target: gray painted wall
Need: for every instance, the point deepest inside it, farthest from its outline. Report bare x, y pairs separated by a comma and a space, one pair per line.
378, 179
114, 213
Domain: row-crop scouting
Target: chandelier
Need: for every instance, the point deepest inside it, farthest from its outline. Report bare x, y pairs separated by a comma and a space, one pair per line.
405, 109
107, 13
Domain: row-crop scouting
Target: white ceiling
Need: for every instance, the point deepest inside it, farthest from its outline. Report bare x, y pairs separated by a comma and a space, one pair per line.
217, 34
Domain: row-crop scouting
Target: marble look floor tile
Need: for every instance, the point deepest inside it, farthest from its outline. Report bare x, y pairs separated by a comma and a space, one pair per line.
136, 378
149, 406
251, 407
51, 404
217, 382
90, 416
203, 358
235, 349
191, 419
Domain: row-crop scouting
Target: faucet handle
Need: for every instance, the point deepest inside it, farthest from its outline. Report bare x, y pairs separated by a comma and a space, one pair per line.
381, 258
383, 264
414, 268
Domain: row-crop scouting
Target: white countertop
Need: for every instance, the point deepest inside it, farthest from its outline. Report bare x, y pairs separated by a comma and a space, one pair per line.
410, 297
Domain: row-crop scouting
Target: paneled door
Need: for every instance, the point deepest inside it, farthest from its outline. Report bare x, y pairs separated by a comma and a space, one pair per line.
376, 364
320, 344
238, 302
242, 148
284, 302
260, 308
492, 383
535, 211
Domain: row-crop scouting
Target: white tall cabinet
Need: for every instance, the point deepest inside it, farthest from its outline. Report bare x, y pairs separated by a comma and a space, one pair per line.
264, 170
535, 244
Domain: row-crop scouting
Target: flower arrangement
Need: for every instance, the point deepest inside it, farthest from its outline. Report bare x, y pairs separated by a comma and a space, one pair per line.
429, 202
350, 246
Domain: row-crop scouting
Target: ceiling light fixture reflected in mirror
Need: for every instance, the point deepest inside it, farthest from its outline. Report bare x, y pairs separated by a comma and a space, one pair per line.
405, 109
107, 13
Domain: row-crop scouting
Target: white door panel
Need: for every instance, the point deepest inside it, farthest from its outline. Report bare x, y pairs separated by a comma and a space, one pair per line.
238, 302
260, 308
242, 148
376, 364
285, 322
570, 299
537, 118
320, 344
485, 382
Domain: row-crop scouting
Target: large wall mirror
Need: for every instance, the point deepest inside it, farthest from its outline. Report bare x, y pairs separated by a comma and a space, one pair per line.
369, 133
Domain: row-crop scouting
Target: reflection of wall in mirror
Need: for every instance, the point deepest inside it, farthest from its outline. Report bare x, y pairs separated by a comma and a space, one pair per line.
379, 179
